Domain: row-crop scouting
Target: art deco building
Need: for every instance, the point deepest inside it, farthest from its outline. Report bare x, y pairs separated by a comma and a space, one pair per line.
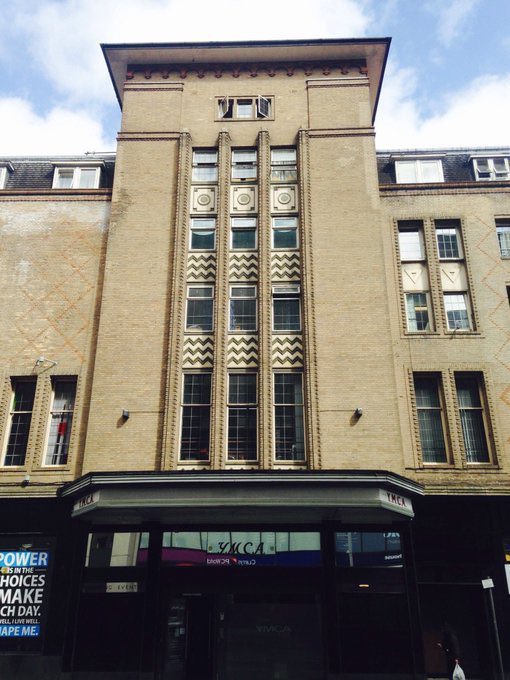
255, 383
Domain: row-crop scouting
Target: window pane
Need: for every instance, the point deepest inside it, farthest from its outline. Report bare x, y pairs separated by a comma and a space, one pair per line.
503, 231
243, 239
197, 388
61, 420
286, 315
65, 179
447, 244
471, 418
242, 388
410, 245
430, 420
285, 238
417, 312
289, 434
196, 416
288, 388
202, 239
406, 171
431, 171
456, 312
21, 417
200, 315
243, 315
244, 108
88, 178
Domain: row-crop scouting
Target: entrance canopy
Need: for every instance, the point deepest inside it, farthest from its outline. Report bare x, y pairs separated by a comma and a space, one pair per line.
242, 497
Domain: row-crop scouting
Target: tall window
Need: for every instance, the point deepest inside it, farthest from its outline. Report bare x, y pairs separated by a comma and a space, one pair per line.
242, 416
76, 177
202, 233
410, 241
244, 164
286, 309
430, 418
205, 166
448, 239
22, 405
199, 308
285, 233
503, 232
288, 417
61, 420
419, 171
243, 308
196, 416
417, 312
283, 165
471, 410
243, 233
457, 311
414, 272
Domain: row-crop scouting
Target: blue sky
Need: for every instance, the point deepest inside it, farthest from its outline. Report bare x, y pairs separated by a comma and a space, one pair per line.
447, 82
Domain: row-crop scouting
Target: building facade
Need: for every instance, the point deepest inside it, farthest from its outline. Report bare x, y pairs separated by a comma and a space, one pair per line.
255, 383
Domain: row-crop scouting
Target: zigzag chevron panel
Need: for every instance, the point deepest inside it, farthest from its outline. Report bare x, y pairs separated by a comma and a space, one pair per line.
287, 351
285, 266
243, 351
243, 267
198, 352
201, 267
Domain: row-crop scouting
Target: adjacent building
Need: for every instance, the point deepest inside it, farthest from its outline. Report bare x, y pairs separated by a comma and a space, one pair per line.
255, 383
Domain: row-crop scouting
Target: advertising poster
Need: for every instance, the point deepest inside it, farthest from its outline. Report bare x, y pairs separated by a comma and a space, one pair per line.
25, 568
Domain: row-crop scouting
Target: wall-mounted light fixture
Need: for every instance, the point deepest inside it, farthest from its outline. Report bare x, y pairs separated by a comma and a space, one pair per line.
40, 361
358, 412
125, 414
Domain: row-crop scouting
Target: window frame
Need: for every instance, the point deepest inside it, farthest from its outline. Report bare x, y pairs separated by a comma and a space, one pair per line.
477, 380
5, 171
469, 314
293, 292
503, 227
13, 412
275, 228
235, 228
427, 307
196, 166
57, 380
419, 173
201, 408
233, 406
440, 409
440, 227
194, 328
493, 174
244, 166
261, 107
195, 228
415, 227
77, 170
297, 406
283, 166
231, 305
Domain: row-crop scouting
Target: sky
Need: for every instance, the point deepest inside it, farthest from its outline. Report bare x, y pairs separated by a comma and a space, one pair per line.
447, 81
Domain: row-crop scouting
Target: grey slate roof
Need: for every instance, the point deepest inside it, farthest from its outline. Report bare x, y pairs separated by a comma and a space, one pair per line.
37, 172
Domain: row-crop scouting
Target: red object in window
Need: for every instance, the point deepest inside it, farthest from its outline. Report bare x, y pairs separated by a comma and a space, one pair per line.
62, 428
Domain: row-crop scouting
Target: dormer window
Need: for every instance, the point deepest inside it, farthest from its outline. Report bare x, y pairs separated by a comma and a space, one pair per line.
76, 176
491, 168
5, 169
419, 171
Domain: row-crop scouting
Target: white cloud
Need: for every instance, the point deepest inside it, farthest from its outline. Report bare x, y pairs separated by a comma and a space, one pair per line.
452, 16
61, 131
64, 37
477, 115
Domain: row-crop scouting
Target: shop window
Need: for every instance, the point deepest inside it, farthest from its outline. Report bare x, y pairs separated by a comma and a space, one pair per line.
283, 165
288, 417
473, 416
61, 420
76, 177
419, 171
245, 108
205, 166
286, 309
199, 308
116, 549
196, 417
243, 308
368, 549
243, 233
430, 411
242, 416
492, 168
503, 233
20, 418
244, 164
202, 233
284, 233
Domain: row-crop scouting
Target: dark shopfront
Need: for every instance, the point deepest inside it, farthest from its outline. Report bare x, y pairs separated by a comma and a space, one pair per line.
317, 584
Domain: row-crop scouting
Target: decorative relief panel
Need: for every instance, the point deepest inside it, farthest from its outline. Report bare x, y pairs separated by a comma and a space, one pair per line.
287, 351
453, 276
285, 266
243, 267
243, 351
243, 199
201, 267
415, 276
284, 199
198, 352
203, 199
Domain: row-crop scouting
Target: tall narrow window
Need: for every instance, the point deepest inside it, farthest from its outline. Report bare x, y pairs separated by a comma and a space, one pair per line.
414, 272
471, 410
285, 233
286, 309
22, 405
202, 233
430, 418
283, 165
61, 420
243, 308
410, 241
457, 311
417, 310
196, 416
288, 417
199, 308
243, 233
244, 164
448, 239
205, 166
242, 416
503, 232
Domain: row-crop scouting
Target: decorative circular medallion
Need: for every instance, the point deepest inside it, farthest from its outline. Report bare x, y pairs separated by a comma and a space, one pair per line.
284, 198
243, 199
204, 199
